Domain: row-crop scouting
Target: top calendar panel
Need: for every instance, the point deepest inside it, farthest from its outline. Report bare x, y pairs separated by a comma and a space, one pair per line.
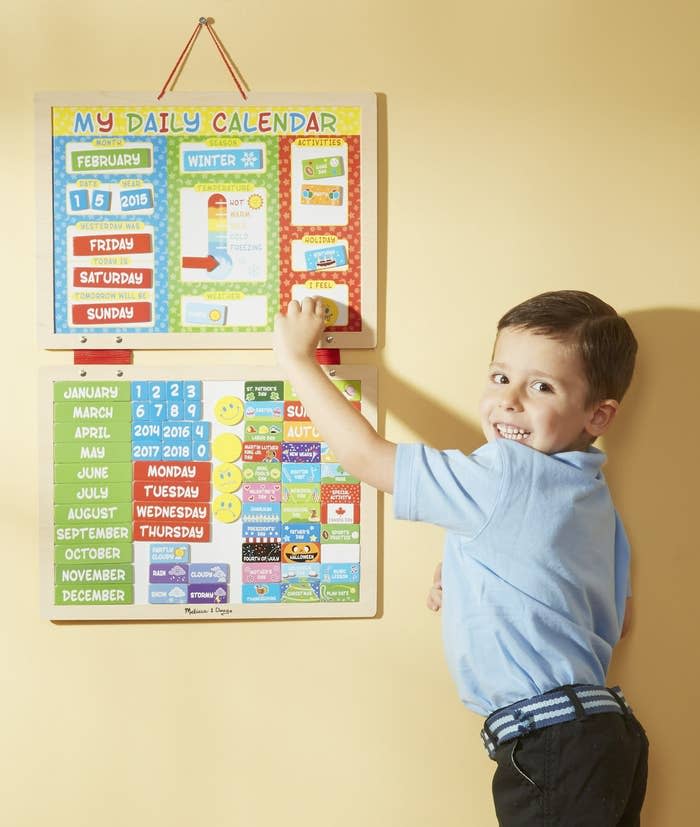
189, 224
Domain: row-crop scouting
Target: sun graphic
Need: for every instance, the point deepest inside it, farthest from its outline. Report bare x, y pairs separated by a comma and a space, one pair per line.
255, 201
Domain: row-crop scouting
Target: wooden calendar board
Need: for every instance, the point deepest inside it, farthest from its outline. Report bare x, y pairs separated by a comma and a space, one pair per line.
187, 225
181, 494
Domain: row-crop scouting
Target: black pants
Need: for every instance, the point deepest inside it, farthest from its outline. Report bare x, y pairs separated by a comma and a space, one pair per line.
588, 773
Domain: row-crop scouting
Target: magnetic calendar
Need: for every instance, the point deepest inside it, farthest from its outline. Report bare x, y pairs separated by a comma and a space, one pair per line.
188, 225
174, 494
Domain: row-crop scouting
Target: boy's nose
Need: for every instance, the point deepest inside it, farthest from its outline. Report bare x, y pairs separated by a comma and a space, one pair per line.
509, 401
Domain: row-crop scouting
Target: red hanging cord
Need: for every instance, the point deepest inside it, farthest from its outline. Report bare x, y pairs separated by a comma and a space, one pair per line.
225, 58
179, 60
203, 21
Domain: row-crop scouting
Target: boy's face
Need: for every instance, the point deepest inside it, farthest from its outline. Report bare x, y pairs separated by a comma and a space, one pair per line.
536, 394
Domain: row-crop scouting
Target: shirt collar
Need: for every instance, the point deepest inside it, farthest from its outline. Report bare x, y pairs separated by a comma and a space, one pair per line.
590, 461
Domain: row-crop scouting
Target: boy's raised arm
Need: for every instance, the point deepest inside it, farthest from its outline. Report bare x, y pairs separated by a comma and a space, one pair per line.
358, 447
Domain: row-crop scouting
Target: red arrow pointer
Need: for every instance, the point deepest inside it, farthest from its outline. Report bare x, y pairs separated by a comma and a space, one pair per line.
196, 263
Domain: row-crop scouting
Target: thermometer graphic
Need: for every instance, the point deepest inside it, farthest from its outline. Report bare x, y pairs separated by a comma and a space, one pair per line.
217, 228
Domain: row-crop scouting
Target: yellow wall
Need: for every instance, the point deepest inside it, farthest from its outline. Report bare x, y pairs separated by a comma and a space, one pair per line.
524, 146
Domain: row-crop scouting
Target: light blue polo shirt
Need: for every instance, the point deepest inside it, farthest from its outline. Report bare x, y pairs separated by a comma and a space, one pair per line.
536, 565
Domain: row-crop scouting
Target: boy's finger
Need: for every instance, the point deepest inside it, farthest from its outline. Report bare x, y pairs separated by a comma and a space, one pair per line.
319, 309
308, 305
434, 601
293, 307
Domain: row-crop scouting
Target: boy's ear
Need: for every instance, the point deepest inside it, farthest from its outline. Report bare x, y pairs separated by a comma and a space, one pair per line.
602, 416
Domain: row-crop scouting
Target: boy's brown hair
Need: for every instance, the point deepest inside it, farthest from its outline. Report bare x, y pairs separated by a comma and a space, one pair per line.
602, 338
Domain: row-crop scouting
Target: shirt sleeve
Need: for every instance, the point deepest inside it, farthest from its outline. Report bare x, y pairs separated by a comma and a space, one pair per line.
447, 488
623, 581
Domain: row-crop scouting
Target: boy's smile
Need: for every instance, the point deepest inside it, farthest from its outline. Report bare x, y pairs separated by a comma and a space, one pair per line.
511, 431
536, 394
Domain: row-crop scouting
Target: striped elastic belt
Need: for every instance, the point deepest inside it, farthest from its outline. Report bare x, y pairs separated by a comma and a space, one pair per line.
568, 703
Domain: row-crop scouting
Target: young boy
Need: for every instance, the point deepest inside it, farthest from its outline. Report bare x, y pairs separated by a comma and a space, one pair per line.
535, 576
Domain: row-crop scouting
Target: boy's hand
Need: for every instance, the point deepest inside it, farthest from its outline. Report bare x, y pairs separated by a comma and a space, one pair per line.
297, 332
434, 599
627, 622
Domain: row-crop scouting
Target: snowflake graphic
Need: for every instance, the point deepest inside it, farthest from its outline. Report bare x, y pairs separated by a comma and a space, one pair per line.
249, 159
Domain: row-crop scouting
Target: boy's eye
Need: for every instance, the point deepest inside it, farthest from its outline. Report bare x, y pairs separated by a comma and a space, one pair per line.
542, 387
499, 378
